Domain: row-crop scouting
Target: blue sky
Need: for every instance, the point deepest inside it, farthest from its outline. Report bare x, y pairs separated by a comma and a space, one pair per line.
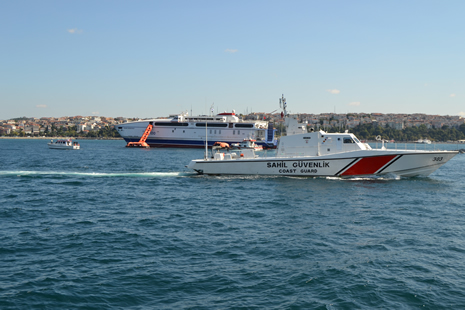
154, 58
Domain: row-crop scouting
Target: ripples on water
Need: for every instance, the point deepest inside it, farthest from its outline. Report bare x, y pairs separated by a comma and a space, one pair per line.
110, 227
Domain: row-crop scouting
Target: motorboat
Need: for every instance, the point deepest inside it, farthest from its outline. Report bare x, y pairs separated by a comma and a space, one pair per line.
320, 154
423, 141
64, 144
247, 144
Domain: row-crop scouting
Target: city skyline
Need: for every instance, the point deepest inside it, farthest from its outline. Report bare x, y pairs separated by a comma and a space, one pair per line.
274, 114
36, 126
148, 59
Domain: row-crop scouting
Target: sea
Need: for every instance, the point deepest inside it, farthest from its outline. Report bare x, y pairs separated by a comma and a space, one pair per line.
110, 227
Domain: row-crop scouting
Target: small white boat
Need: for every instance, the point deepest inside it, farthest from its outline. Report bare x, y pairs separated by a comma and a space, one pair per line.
321, 154
423, 141
64, 144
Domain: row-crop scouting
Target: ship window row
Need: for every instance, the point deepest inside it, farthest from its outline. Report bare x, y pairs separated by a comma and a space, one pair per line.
223, 125
244, 126
203, 119
172, 124
211, 125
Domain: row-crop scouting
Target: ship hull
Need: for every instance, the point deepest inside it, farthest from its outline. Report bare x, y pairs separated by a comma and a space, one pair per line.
193, 143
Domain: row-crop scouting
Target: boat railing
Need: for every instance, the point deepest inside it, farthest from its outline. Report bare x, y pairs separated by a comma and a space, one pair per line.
413, 146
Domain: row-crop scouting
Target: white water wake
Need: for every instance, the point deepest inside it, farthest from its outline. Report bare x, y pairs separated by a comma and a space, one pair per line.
386, 177
21, 173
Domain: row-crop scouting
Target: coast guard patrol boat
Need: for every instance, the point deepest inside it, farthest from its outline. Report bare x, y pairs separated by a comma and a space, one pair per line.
182, 130
319, 153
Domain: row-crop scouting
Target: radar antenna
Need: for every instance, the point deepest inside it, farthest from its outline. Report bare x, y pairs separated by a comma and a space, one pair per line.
211, 109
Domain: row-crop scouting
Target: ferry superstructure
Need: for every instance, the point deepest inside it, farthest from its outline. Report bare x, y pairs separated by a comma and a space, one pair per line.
182, 130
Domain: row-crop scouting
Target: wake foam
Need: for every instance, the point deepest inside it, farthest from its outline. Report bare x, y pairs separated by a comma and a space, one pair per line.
386, 177
95, 174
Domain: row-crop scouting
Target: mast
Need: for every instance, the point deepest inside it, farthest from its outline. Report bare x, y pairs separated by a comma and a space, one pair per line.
206, 140
206, 131
283, 104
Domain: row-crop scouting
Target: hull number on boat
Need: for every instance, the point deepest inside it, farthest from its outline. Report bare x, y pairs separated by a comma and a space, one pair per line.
438, 158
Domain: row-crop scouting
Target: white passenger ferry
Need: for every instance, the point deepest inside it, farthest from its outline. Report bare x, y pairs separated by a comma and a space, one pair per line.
64, 144
183, 130
318, 153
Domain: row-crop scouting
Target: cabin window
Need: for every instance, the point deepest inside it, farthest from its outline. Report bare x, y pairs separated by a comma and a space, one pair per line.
172, 124
211, 125
238, 132
234, 132
215, 131
348, 140
244, 125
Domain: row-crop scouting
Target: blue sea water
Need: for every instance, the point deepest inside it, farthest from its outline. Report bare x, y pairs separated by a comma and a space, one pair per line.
107, 227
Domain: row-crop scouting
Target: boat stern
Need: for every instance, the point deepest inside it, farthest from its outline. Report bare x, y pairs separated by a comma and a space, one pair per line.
194, 165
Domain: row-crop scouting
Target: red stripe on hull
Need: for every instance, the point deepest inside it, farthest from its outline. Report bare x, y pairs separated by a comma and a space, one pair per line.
369, 165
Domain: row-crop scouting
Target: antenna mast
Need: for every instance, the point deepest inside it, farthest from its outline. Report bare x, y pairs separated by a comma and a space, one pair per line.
283, 105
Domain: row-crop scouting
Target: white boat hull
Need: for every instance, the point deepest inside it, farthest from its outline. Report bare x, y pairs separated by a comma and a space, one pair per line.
67, 147
64, 145
349, 164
